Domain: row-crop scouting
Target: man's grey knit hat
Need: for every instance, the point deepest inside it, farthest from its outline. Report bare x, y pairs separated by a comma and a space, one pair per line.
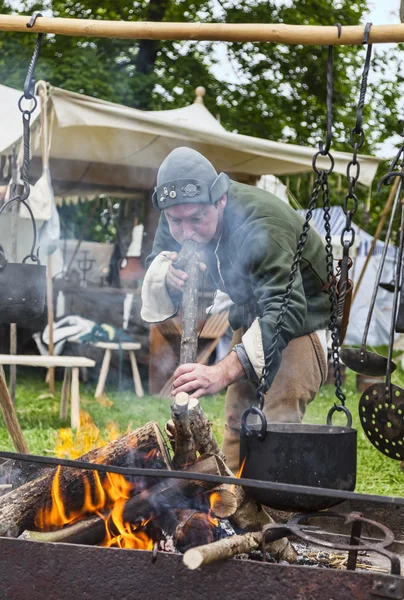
185, 177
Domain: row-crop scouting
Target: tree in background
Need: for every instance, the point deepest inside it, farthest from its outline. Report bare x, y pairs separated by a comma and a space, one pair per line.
277, 92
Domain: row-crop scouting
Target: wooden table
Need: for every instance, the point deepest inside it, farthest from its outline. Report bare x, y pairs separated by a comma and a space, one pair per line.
71, 365
109, 347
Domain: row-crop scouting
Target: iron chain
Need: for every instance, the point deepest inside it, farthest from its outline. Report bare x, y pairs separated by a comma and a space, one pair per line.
356, 139
332, 292
320, 187
26, 112
263, 386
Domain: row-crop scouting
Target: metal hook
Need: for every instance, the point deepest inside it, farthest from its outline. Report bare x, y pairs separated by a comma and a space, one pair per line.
366, 33
339, 26
34, 18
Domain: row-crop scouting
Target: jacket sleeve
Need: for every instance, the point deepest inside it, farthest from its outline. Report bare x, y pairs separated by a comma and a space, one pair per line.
268, 257
157, 304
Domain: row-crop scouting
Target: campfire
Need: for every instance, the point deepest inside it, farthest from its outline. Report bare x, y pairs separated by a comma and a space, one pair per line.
109, 509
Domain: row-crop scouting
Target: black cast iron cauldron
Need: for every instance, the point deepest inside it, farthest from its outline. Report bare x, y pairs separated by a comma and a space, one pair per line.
311, 455
22, 292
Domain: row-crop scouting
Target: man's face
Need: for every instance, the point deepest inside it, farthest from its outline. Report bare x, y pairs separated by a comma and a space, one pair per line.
197, 222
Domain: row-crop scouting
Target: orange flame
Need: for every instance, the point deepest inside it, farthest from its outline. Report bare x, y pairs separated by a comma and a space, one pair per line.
101, 494
238, 474
213, 498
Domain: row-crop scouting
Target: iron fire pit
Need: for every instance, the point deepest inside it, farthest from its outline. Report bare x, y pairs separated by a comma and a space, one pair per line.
34, 571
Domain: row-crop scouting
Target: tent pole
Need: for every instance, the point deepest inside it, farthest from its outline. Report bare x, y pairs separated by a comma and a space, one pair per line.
49, 281
226, 32
383, 217
14, 246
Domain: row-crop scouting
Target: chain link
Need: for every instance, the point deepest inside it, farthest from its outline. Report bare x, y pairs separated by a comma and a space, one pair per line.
28, 95
332, 292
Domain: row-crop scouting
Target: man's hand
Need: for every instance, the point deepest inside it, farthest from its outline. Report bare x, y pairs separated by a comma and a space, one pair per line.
202, 380
176, 278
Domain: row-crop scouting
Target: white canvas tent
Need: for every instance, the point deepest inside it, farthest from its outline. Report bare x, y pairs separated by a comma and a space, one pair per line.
380, 324
102, 147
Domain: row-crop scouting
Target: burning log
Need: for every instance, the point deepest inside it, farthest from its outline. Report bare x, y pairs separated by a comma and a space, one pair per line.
20, 508
223, 501
185, 450
194, 528
221, 550
252, 516
152, 501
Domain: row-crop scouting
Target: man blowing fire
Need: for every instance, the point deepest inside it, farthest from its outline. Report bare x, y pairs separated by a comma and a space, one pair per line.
248, 238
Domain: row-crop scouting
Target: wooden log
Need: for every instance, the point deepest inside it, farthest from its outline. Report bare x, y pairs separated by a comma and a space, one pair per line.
227, 32
253, 517
185, 450
223, 501
73, 534
11, 420
154, 500
20, 508
193, 529
188, 261
221, 550
202, 430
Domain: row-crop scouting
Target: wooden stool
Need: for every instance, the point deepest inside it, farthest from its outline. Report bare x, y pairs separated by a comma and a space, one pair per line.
126, 346
70, 386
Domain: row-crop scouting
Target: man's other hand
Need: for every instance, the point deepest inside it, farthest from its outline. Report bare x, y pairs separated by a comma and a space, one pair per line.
176, 278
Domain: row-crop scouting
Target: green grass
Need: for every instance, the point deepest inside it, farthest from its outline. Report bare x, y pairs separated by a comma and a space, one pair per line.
39, 418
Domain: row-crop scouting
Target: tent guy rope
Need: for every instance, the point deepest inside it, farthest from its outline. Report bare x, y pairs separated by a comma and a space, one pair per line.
226, 32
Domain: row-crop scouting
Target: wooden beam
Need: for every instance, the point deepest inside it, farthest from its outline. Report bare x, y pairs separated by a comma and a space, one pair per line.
227, 32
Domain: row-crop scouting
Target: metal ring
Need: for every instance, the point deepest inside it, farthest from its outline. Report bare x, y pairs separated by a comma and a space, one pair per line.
323, 153
351, 164
254, 410
348, 241
361, 134
339, 408
30, 97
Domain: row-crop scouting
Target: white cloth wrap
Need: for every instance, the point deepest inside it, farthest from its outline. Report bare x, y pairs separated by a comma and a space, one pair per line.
252, 341
157, 304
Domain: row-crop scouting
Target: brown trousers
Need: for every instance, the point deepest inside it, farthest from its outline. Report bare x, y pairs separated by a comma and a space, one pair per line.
302, 371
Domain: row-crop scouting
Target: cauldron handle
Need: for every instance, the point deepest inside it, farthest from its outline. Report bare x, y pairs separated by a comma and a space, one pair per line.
244, 427
340, 408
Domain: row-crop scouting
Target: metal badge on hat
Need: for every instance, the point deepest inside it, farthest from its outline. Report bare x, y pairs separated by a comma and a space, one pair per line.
190, 190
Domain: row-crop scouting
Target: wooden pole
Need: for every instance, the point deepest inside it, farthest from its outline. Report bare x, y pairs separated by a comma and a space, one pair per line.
11, 420
49, 282
188, 261
14, 246
226, 32
383, 217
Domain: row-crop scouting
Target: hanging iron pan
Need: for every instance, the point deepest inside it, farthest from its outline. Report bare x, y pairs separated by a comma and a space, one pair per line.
381, 406
361, 360
300, 454
22, 291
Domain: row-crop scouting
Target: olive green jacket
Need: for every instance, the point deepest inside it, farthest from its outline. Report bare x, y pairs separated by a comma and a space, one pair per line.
252, 263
